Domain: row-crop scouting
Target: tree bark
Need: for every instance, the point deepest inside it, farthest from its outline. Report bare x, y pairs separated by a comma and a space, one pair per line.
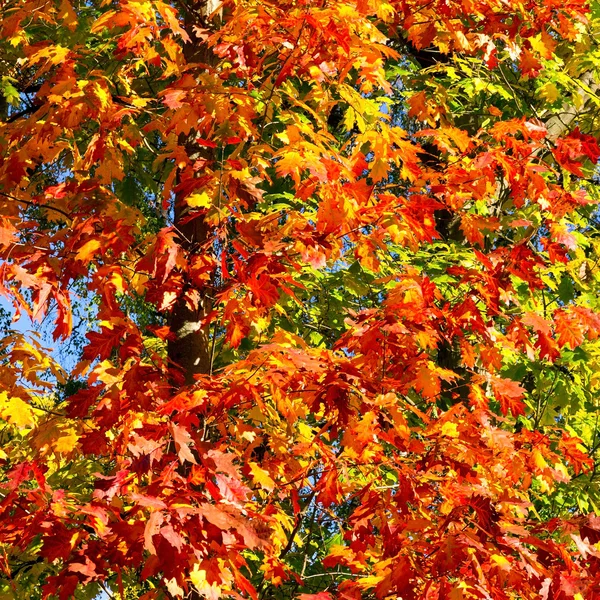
189, 352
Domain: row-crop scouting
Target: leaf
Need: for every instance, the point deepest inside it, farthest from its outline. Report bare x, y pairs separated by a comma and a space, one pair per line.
538, 323
9, 91
176, 540
569, 330
379, 169
8, 233
87, 251
101, 344
473, 226
549, 92
55, 437
182, 440
66, 442
151, 529
575, 453
16, 411
509, 393
263, 290
201, 200
261, 477
67, 15
501, 561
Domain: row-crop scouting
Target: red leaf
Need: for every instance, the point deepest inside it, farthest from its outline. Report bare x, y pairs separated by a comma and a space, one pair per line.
182, 440
569, 329
8, 233
103, 343
579, 460
263, 290
509, 394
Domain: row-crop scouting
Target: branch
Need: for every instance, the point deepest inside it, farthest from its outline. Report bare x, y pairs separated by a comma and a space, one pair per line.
557, 124
29, 203
22, 113
297, 526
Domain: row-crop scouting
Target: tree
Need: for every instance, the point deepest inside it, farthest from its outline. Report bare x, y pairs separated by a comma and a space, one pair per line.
339, 262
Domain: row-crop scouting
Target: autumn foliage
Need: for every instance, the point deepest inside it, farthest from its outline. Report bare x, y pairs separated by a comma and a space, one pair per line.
327, 273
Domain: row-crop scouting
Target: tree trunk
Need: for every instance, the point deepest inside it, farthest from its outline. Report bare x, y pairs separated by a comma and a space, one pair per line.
190, 351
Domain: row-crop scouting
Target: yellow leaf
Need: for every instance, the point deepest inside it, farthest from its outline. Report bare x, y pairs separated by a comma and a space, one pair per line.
87, 251
125, 145
539, 460
370, 582
54, 54
139, 102
543, 44
283, 136
66, 442
261, 477
206, 589
197, 576
501, 561
385, 12
349, 119
292, 164
103, 95
450, 429
117, 280
17, 39
201, 200
305, 431
16, 411
549, 92
53, 437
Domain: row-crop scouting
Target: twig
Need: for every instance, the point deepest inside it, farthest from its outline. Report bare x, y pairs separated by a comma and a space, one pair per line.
29, 203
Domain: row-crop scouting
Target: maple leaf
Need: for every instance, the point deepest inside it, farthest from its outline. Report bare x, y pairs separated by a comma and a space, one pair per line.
589, 144
263, 290
474, 226
529, 64
54, 437
575, 452
182, 440
151, 529
67, 15
569, 329
101, 344
16, 411
379, 169
427, 382
58, 545
262, 477
538, 323
477, 397
509, 394
8, 233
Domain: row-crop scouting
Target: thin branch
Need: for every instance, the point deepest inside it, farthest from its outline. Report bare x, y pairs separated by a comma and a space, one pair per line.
29, 203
